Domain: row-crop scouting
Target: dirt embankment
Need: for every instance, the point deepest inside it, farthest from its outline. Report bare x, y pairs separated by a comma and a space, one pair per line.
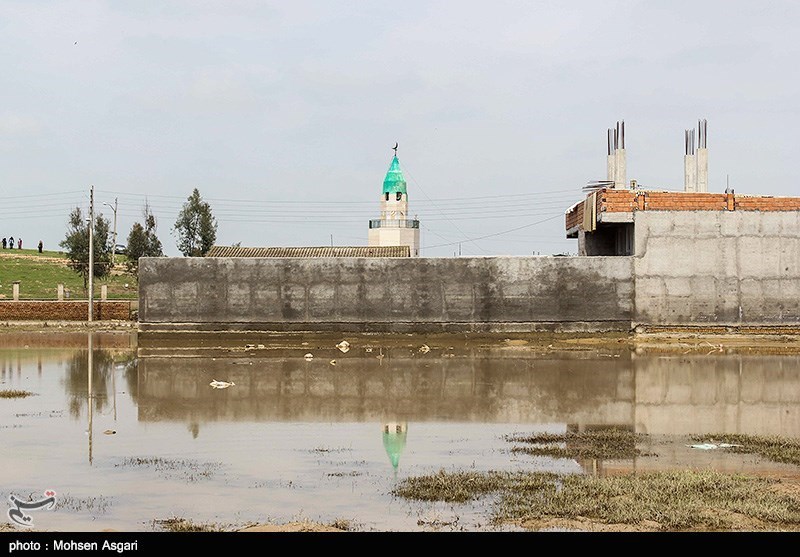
17, 254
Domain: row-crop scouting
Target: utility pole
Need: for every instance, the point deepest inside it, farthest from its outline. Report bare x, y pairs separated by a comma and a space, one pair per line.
114, 248
91, 253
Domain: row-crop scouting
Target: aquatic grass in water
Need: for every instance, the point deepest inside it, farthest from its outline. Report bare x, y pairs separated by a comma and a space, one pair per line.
776, 449
458, 487
14, 393
678, 500
602, 444
98, 503
684, 500
177, 524
190, 470
681, 500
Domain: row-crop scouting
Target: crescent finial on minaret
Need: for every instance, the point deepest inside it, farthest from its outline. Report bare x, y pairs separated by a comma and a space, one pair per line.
395, 148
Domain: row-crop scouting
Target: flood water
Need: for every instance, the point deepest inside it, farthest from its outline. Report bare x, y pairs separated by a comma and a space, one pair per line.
128, 436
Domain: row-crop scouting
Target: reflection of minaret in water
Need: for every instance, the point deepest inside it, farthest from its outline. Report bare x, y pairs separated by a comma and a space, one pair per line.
394, 441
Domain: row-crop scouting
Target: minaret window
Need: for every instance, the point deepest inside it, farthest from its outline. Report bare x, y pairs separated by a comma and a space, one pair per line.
387, 196
399, 196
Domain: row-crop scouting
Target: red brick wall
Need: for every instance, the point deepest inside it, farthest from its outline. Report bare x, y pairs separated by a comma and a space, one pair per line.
73, 310
766, 203
627, 201
575, 216
617, 201
664, 201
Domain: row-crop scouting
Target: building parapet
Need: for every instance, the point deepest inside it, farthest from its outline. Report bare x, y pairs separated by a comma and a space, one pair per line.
615, 201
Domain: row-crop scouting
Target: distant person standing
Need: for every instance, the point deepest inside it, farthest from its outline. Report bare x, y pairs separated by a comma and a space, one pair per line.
4, 243
11, 242
40, 246
19, 244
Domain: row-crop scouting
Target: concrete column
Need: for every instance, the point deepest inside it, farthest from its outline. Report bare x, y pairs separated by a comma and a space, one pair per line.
620, 179
15, 290
702, 169
60, 292
610, 172
104, 292
689, 173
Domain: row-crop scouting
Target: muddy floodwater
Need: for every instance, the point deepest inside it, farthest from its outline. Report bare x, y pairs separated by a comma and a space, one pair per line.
128, 436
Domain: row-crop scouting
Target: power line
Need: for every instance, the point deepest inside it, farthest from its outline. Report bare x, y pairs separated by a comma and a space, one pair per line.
497, 233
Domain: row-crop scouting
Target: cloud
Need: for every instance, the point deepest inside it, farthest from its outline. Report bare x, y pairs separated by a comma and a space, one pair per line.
19, 125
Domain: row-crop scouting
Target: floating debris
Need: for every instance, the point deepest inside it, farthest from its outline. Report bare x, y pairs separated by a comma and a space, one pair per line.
249, 346
424, 349
309, 357
221, 384
333, 362
712, 446
344, 346
260, 346
110, 432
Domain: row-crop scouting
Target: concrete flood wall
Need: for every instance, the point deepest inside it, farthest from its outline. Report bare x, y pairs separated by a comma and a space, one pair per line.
717, 267
690, 268
471, 294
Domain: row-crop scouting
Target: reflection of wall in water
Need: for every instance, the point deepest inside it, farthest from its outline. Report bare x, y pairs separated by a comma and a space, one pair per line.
651, 393
483, 387
757, 395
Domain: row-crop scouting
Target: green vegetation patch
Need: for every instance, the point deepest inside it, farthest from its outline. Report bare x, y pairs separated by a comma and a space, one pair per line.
461, 487
40, 274
610, 443
681, 500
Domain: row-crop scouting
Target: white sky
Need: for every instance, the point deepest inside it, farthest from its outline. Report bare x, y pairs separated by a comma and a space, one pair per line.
283, 114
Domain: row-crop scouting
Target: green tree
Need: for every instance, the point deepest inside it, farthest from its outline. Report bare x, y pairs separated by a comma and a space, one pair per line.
76, 245
143, 240
196, 227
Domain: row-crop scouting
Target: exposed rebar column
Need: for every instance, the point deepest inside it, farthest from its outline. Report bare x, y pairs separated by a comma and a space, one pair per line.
689, 163
619, 156
610, 173
702, 156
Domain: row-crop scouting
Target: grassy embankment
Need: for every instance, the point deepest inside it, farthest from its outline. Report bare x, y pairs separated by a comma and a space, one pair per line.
39, 275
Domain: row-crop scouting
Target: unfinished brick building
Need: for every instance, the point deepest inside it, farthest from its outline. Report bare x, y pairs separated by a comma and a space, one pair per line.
604, 221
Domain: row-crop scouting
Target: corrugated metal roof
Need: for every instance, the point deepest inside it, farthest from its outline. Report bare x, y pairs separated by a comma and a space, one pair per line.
311, 251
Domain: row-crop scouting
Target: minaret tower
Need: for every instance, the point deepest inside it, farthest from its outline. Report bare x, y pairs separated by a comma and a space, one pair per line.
394, 228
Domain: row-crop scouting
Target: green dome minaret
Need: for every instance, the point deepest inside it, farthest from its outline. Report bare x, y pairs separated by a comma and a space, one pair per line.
394, 228
394, 182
